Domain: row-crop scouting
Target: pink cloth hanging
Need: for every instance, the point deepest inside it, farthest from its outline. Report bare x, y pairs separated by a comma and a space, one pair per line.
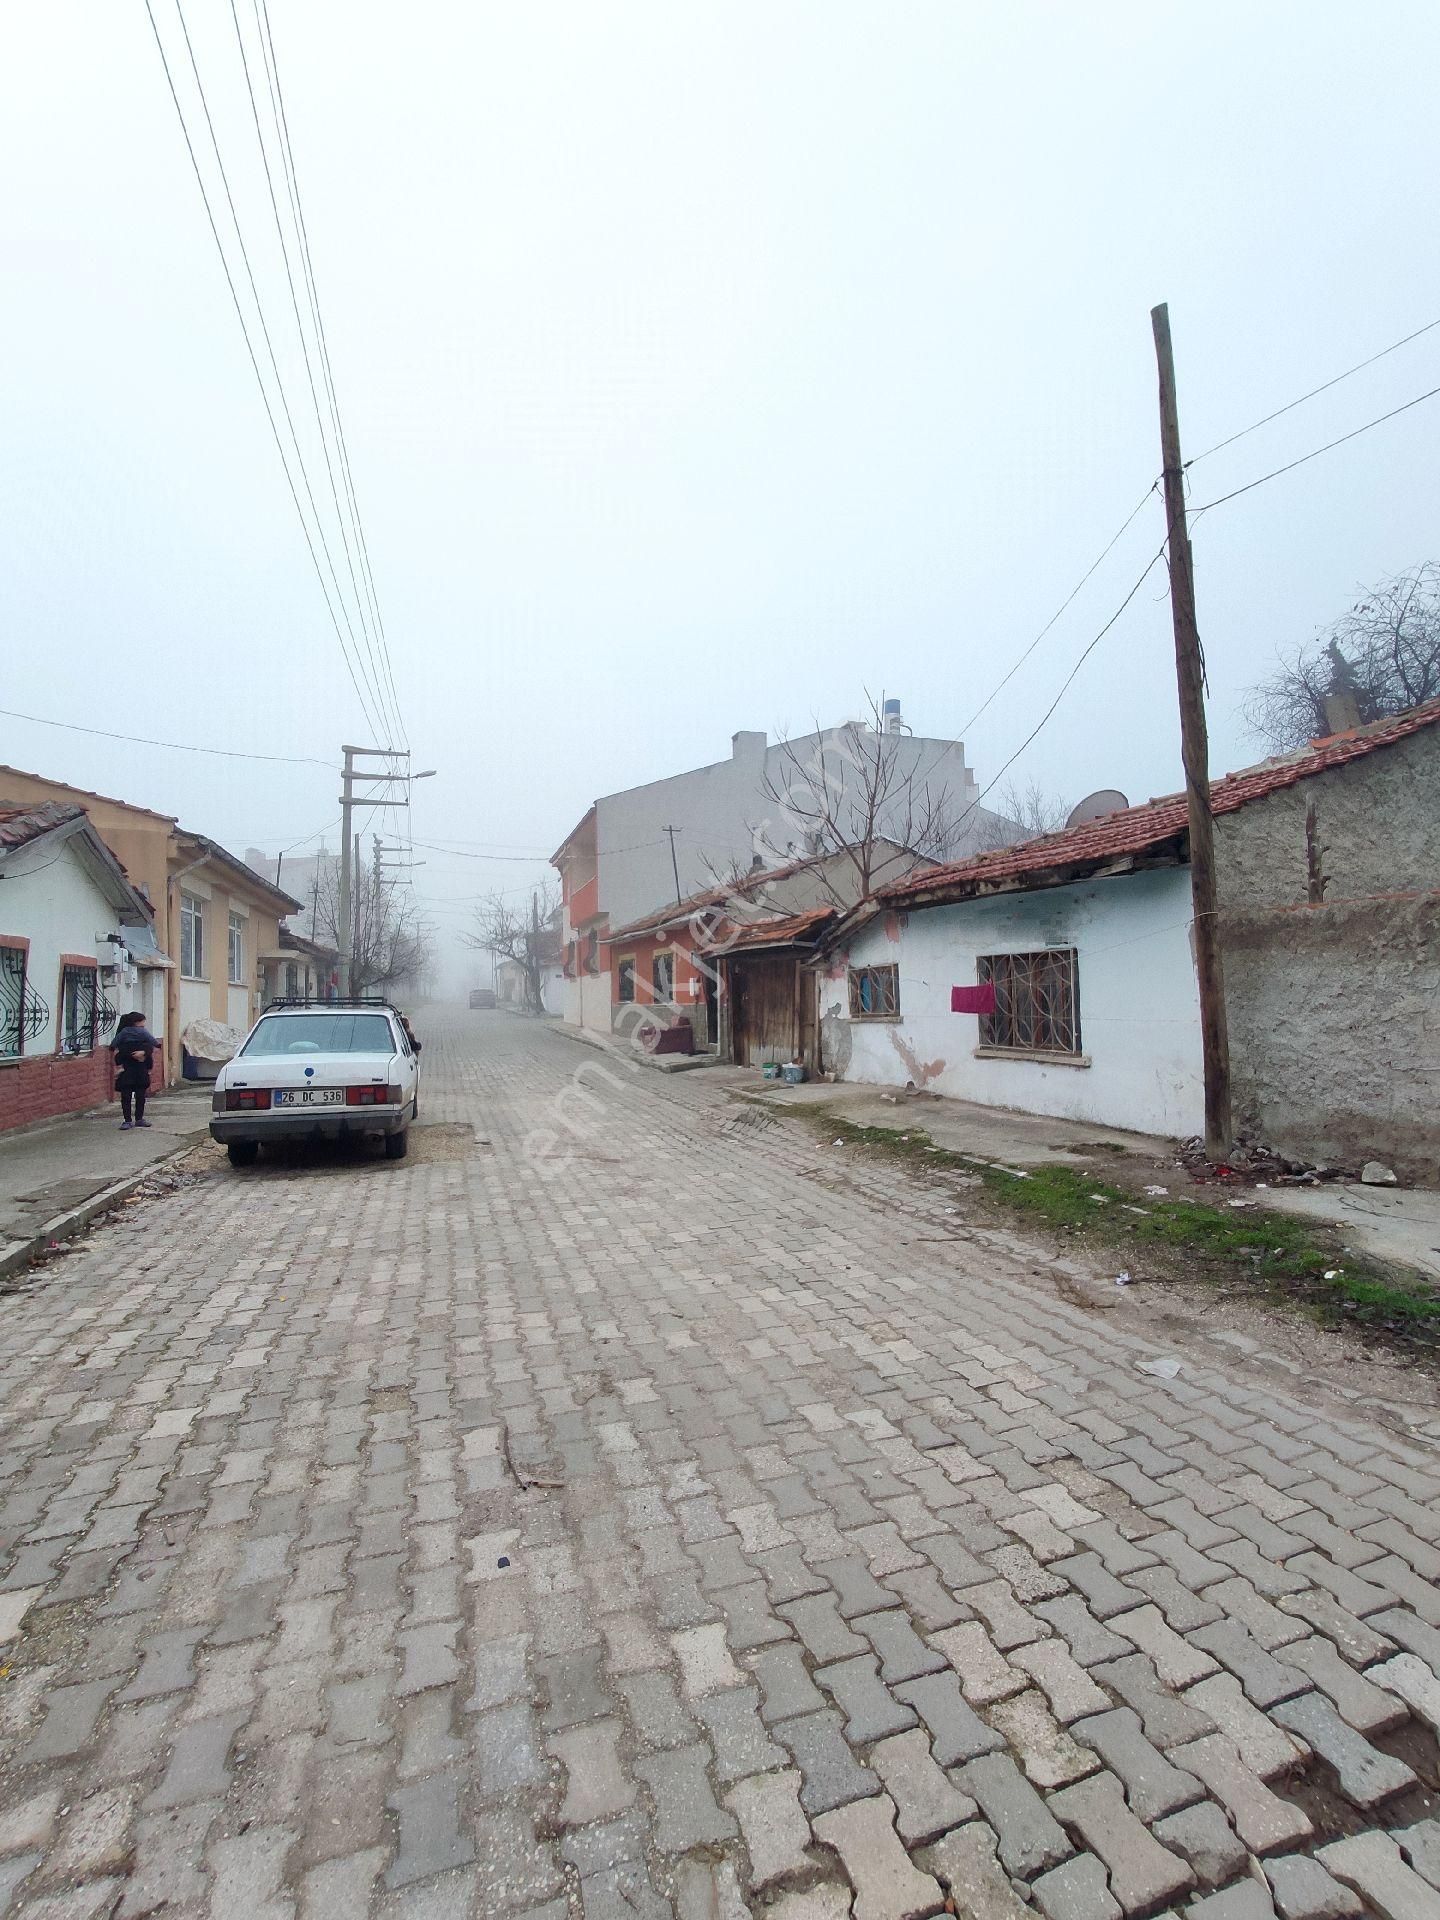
979, 999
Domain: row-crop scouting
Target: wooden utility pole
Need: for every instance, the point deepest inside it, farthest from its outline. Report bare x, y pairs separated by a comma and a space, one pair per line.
674, 863
1195, 753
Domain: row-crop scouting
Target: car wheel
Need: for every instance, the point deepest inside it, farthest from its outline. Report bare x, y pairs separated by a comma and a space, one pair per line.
243, 1153
397, 1144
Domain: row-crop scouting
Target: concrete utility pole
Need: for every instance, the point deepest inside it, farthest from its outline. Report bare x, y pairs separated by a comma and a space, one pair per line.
349, 800
1195, 753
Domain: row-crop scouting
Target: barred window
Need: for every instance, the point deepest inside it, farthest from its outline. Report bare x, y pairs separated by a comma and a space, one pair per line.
874, 993
79, 1010
1037, 1001
626, 977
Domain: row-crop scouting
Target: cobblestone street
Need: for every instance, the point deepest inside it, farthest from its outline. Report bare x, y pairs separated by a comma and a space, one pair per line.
685, 1521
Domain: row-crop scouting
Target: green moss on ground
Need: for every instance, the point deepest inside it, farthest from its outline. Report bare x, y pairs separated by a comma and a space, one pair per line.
1275, 1253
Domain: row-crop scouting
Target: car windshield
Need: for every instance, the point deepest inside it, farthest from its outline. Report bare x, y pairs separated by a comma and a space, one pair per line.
321, 1033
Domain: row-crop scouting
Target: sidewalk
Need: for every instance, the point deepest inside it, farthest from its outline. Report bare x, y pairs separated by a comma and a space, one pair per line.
55, 1176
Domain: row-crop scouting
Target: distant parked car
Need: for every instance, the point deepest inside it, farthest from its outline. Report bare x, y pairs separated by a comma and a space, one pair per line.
318, 1070
481, 997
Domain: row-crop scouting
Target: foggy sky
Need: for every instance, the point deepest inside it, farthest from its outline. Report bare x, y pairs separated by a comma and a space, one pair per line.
701, 369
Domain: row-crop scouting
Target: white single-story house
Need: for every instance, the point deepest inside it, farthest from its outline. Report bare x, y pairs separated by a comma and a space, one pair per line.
1058, 976
77, 949
1073, 996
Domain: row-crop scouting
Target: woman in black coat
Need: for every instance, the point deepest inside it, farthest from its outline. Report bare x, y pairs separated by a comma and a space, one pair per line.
134, 1049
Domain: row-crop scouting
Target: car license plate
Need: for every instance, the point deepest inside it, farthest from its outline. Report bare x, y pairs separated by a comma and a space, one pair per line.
310, 1097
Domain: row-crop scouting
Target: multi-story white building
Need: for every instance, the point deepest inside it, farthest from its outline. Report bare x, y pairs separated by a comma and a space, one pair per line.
769, 802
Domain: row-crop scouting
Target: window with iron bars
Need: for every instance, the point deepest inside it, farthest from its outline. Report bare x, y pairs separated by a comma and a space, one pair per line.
83, 1008
625, 976
1037, 1001
875, 993
22, 1012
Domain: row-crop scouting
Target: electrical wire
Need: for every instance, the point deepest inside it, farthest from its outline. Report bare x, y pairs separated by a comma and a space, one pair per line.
376, 672
1315, 452
272, 66
350, 665
1064, 687
1324, 387
292, 179
274, 363
177, 746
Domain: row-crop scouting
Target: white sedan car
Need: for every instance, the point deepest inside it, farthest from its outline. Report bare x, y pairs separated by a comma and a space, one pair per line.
326, 1070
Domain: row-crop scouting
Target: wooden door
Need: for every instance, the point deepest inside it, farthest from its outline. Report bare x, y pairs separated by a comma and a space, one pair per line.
764, 1009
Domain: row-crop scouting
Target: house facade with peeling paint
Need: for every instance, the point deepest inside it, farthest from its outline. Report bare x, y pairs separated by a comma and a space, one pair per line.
1099, 973
1057, 977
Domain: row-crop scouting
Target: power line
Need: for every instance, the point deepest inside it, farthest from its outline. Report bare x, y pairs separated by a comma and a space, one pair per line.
250, 349
274, 363
292, 178
376, 674
1064, 687
178, 746
1324, 387
1315, 452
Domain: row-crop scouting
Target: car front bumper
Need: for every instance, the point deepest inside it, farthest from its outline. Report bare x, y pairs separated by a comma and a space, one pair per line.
323, 1123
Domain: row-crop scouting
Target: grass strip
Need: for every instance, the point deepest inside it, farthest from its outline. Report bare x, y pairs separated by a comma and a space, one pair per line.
1274, 1251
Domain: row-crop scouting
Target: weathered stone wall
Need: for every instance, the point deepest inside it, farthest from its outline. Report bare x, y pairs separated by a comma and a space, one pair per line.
1335, 1009
1335, 1032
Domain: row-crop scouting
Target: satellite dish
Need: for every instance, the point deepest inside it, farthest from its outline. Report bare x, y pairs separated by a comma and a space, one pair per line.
1096, 805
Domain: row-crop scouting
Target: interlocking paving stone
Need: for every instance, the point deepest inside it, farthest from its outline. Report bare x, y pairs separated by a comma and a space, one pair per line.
903, 1654
1152, 1785
1045, 1750
1143, 1873
1373, 1865
1069, 1689
1366, 1774
985, 1674
956, 1731
1028, 1835
833, 1776
887, 1885
964, 1863
1417, 1685
1202, 1835
785, 1683
596, 1787
1264, 1747
1420, 1845
1079, 1889
871, 1710
687, 1812
1264, 1821
1246, 1900
773, 1825
927, 1804
238, 1579
1303, 1890
737, 1734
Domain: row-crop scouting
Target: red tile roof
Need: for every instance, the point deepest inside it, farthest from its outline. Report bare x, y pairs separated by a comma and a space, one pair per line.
1137, 829
792, 930
741, 889
20, 825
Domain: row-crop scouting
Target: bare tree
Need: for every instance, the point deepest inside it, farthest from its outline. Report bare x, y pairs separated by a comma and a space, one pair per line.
1021, 814
391, 947
849, 792
1379, 658
522, 934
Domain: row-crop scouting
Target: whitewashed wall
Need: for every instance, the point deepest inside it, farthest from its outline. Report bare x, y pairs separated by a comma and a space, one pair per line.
1139, 1011
595, 1001
50, 899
